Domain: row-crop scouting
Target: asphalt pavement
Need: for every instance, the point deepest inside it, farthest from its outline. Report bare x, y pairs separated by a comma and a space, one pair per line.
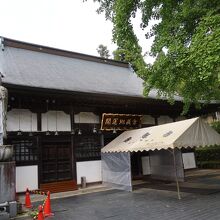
150, 200
141, 204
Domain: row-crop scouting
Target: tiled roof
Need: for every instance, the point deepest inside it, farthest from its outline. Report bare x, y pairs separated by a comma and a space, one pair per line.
39, 69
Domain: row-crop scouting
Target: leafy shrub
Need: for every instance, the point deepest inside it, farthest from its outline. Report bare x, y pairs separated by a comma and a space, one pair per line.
216, 126
209, 164
208, 157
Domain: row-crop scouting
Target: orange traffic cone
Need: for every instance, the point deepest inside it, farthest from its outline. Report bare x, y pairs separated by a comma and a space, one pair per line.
27, 199
40, 215
47, 207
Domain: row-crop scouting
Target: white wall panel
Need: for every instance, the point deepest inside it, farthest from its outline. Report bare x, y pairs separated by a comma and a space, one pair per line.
86, 117
148, 119
63, 121
189, 161
90, 169
163, 119
27, 120
26, 177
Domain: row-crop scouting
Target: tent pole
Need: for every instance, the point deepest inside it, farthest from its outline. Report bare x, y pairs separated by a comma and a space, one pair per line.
175, 168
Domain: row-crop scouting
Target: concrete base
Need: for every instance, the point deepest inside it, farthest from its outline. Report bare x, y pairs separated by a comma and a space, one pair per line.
4, 216
7, 182
8, 208
12, 209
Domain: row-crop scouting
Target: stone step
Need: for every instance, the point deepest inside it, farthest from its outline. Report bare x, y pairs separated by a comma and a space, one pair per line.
61, 186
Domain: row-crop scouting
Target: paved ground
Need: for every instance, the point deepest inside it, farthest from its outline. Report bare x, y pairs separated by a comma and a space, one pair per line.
142, 204
200, 201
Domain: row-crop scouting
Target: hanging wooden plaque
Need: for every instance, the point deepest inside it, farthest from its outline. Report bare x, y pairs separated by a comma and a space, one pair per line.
120, 121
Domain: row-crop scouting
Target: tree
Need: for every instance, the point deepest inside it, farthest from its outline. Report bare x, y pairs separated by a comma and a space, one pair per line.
186, 45
119, 54
103, 51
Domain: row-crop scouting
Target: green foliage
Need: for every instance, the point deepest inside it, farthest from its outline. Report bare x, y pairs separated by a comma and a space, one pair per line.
188, 30
208, 157
122, 55
208, 153
216, 126
33, 213
209, 165
119, 54
103, 51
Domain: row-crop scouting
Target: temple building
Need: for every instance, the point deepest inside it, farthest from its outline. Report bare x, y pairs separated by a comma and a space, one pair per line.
63, 107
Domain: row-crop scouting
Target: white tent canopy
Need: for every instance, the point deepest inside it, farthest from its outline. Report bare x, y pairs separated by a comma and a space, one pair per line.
187, 133
116, 164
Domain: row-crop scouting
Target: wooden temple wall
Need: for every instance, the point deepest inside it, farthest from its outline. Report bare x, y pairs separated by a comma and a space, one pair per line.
26, 121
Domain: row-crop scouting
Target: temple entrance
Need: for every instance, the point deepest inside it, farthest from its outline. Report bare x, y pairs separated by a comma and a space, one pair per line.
57, 172
56, 162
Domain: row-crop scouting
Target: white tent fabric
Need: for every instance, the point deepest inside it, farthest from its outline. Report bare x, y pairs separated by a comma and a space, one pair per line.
187, 133
116, 170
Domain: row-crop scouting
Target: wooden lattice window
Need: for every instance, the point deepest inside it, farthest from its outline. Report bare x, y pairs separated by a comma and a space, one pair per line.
25, 151
88, 148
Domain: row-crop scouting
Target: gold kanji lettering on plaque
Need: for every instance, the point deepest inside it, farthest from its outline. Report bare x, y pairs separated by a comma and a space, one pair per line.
134, 122
112, 121
115, 121
122, 121
108, 121
128, 122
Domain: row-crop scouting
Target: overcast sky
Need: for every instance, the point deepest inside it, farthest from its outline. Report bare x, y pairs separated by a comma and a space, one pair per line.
65, 24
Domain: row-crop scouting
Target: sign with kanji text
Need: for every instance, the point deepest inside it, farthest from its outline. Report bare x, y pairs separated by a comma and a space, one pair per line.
120, 121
